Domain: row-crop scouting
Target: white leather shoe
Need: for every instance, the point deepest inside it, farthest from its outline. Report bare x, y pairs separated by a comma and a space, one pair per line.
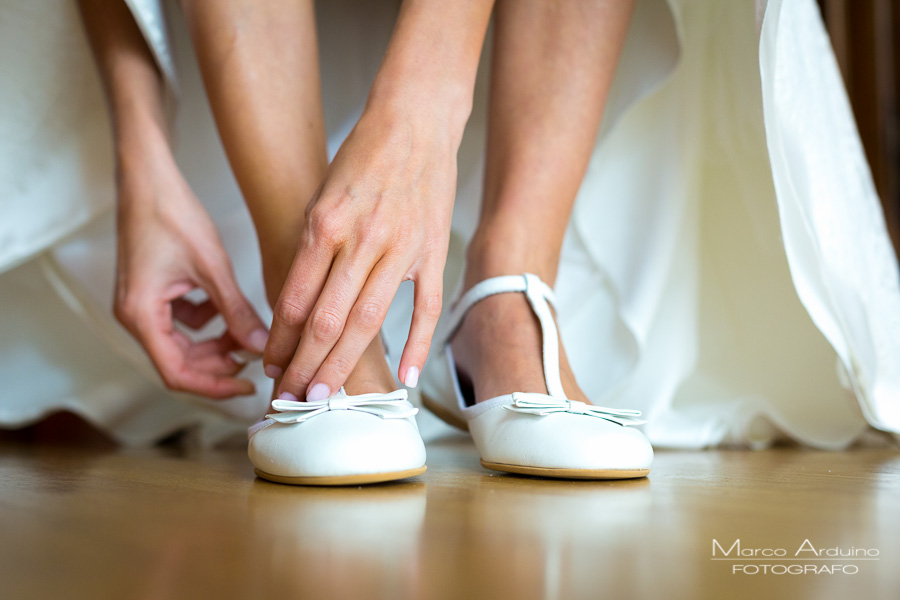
343, 440
529, 433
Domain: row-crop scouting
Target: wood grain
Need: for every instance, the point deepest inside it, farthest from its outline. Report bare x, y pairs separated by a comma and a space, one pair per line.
165, 523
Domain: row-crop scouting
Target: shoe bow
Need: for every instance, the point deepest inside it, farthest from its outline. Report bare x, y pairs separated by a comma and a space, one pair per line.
542, 405
392, 405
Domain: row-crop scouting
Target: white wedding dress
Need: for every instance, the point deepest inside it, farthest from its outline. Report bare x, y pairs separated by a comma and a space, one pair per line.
727, 269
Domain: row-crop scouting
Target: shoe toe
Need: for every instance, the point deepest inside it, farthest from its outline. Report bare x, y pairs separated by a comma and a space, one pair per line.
561, 441
338, 443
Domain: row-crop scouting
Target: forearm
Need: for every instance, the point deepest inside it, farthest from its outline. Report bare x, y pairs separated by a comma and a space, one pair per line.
428, 73
131, 80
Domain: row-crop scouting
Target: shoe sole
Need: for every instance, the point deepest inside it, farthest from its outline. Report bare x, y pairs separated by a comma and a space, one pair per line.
335, 480
567, 473
444, 414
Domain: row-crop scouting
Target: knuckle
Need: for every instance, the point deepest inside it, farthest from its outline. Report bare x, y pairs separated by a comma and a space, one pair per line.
296, 379
141, 323
367, 236
422, 345
406, 230
289, 313
120, 313
125, 309
326, 226
340, 365
372, 234
370, 313
401, 243
325, 325
172, 380
431, 305
314, 202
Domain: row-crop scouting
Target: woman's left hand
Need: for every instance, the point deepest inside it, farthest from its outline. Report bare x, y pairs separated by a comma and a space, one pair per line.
168, 246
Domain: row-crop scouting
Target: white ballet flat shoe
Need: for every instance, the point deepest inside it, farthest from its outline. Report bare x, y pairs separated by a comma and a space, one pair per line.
343, 440
536, 434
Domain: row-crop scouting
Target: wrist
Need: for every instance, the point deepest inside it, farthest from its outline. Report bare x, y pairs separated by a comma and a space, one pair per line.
424, 92
428, 73
439, 109
141, 142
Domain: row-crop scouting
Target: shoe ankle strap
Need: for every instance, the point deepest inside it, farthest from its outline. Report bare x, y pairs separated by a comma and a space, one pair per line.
540, 297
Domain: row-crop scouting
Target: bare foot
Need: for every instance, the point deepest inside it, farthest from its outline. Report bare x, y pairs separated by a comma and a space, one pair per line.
498, 347
372, 373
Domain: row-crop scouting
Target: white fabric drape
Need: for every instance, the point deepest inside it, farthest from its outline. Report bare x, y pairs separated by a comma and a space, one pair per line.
727, 269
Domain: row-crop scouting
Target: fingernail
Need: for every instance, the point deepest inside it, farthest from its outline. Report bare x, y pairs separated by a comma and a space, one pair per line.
243, 356
412, 377
273, 371
318, 392
258, 340
287, 396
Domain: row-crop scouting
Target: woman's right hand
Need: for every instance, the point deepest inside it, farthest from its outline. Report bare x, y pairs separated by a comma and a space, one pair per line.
382, 216
168, 246
383, 212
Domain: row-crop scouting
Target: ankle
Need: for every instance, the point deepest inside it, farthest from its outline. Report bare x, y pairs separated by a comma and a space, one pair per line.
365, 384
492, 253
372, 373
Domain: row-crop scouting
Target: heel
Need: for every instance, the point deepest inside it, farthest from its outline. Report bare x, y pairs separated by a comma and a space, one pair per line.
445, 415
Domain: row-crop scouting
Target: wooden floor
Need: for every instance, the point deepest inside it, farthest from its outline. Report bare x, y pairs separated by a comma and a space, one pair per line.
170, 523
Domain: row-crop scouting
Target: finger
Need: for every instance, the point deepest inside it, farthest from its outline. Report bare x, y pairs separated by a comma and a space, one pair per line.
326, 322
209, 385
183, 375
363, 324
426, 312
215, 356
168, 349
210, 356
240, 317
302, 287
193, 315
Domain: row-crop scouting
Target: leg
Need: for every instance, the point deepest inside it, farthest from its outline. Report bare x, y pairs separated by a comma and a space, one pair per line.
260, 66
553, 65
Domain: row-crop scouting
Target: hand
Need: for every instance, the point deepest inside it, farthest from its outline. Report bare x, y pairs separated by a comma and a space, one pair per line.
168, 246
381, 216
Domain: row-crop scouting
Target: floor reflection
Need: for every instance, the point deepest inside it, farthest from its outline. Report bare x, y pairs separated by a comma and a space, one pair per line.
337, 542
158, 524
521, 537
